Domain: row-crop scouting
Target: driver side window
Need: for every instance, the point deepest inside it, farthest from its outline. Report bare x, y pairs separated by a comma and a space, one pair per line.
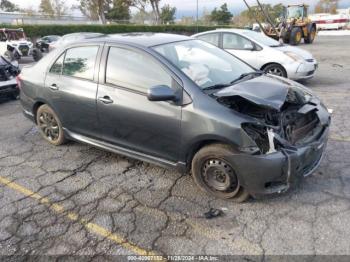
233, 41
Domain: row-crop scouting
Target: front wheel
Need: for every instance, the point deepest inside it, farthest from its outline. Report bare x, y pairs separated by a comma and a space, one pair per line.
311, 35
9, 55
214, 174
295, 36
275, 69
50, 125
37, 54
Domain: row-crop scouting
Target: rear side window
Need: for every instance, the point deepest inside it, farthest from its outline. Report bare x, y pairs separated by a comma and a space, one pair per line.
134, 70
80, 62
210, 38
56, 68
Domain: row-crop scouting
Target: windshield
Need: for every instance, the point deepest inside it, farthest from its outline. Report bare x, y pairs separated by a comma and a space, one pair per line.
204, 63
261, 38
295, 12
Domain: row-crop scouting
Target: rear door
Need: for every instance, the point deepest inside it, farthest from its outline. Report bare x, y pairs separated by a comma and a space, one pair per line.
241, 47
127, 117
72, 84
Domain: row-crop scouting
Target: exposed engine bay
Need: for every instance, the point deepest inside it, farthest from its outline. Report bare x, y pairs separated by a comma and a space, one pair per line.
8, 73
8, 70
292, 120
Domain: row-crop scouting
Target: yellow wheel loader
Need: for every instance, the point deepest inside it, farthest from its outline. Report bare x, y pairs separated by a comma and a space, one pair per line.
292, 28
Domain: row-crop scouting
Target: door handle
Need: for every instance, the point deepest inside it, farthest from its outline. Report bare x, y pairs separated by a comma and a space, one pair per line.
53, 87
106, 100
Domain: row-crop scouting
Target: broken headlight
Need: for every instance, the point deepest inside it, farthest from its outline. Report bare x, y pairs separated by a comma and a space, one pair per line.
262, 136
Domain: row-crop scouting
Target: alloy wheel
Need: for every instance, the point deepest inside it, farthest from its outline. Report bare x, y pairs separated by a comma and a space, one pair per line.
275, 71
49, 126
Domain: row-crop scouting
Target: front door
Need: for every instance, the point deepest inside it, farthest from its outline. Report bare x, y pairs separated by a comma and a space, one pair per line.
73, 87
126, 116
241, 47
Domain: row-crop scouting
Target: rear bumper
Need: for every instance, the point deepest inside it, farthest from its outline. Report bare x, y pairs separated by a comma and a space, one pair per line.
279, 171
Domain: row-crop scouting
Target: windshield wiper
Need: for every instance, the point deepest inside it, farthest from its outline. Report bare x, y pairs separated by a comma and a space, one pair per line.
253, 73
217, 86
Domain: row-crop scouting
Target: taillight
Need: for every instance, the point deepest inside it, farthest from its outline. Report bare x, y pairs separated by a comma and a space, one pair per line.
19, 82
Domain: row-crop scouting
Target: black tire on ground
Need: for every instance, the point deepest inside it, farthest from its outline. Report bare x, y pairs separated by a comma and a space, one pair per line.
50, 126
295, 36
9, 55
214, 174
311, 35
37, 54
275, 69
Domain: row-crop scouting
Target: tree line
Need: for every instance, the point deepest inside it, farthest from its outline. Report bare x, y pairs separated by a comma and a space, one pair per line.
152, 11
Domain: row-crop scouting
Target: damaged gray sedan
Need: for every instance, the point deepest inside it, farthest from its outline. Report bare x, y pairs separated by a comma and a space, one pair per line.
179, 102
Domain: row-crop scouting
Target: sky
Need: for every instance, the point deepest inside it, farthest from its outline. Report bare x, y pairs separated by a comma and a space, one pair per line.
188, 7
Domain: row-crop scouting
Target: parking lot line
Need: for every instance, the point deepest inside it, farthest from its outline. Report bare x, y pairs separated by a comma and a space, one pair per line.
339, 138
94, 228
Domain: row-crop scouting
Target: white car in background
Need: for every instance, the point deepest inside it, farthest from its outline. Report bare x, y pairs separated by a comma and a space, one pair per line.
263, 52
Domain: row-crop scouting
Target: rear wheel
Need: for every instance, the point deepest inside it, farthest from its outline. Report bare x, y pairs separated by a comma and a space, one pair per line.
275, 69
311, 35
214, 174
295, 36
50, 126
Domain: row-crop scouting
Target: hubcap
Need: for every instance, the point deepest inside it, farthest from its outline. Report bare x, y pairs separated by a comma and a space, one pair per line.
48, 125
275, 71
219, 176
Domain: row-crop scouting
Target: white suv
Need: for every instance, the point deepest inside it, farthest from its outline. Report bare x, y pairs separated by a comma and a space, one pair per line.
263, 52
14, 45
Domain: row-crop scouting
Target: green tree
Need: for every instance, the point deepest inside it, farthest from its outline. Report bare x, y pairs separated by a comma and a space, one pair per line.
120, 10
94, 9
59, 7
327, 6
46, 7
8, 6
167, 15
222, 15
255, 13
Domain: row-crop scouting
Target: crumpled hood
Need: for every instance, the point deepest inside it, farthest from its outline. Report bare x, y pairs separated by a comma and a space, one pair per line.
266, 91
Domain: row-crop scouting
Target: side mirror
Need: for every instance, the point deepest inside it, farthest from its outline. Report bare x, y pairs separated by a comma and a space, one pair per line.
161, 93
248, 46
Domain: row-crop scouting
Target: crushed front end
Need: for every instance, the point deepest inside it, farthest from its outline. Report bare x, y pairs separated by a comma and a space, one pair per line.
290, 135
8, 73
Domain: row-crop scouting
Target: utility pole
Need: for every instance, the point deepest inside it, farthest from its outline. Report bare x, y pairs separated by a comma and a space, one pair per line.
197, 17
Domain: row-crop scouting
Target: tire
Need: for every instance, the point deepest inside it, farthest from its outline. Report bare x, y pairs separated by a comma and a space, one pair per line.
37, 54
311, 35
295, 36
214, 174
275, 69
50, 126
9, 55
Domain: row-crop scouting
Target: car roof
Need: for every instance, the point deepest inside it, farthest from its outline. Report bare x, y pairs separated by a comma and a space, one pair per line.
232, 30
141, 39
